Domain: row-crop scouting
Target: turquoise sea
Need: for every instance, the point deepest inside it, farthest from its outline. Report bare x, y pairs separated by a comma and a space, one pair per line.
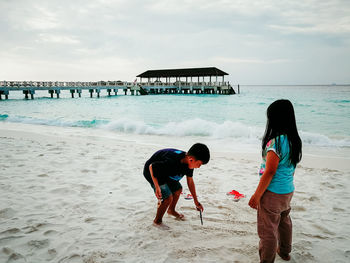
322, 112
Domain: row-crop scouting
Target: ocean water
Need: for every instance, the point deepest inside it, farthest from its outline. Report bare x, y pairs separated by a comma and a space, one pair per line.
322, 113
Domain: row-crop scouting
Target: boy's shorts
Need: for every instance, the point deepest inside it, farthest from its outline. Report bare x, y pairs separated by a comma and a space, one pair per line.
168, 189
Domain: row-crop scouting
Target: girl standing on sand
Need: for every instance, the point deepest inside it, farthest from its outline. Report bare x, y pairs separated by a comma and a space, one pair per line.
281, 151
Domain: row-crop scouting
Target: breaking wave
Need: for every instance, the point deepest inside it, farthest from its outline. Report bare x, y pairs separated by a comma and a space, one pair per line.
195, 127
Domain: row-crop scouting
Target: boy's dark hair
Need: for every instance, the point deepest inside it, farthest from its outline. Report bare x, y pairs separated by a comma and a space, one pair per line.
200, 152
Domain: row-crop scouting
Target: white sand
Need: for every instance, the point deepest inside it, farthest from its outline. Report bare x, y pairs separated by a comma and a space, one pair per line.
75, 195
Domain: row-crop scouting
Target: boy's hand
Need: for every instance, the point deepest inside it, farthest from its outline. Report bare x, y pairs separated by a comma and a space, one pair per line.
199, 207
158, 193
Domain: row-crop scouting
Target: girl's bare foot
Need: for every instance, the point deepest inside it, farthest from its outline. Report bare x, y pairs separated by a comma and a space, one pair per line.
285, 257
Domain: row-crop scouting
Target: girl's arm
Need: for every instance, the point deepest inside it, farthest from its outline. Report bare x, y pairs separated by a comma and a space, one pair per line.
156, 184
192, 188
272, 161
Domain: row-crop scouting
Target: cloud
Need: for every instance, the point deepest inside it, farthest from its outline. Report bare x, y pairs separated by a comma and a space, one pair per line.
330, 29
41, 19
315, 17
130, 36
240, 61
59, 39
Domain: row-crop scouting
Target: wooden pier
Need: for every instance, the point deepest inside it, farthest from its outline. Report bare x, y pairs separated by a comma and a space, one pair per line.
29, 88
175, 81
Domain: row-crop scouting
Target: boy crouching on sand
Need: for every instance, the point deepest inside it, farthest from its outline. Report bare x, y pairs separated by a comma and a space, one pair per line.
165, 169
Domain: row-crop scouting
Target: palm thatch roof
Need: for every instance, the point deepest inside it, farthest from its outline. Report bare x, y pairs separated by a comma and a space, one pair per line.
184, 72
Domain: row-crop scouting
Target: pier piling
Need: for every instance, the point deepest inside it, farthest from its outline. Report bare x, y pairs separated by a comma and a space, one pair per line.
91, 91
29, 92
25, 92
58, 91
72, 91
98, 92
4, 92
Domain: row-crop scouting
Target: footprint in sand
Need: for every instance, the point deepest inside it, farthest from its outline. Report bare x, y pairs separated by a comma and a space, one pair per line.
13, 256
63, 191
16, 257
51, 254
314, 198
328, 185
50, 233
7, 213
10, 231
88, 171
39, 243
337, 209
323, 229
299, 208
90, 219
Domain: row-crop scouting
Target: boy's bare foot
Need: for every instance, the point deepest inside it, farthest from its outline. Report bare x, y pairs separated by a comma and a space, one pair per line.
176, 215
161, 226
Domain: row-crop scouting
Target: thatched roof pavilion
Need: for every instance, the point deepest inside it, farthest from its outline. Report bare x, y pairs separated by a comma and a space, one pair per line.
184, 72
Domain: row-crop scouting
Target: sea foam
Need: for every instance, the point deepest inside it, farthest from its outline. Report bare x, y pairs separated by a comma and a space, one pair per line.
228, 129
236, 131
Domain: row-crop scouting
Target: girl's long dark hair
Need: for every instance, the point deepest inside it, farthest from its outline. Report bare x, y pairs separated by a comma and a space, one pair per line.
281, 121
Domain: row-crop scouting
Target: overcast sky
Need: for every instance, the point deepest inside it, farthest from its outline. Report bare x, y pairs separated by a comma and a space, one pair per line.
255, 41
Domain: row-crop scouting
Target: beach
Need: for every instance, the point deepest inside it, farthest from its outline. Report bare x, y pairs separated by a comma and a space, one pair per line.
90, 90
70, 194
